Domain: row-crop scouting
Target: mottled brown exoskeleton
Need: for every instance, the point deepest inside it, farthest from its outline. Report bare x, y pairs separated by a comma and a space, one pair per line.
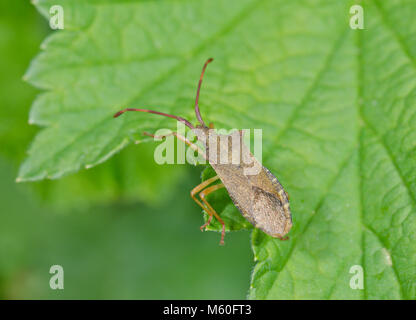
254, 190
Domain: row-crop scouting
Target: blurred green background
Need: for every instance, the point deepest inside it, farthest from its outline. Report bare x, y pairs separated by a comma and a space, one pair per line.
126, 229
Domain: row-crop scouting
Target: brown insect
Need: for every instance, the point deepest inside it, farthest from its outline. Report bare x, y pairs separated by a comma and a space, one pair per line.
260, 197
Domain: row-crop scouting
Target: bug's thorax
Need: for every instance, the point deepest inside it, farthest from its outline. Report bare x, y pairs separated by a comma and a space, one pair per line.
226, 149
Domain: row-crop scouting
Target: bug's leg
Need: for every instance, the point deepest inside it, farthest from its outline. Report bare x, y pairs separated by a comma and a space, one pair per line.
182, 138
210, 209
198, 189
203, 194
287, 195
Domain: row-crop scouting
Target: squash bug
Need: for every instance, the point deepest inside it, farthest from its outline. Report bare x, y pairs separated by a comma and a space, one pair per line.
259, 197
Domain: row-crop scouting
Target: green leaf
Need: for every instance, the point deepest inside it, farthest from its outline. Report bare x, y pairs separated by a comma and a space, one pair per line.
128, 245
337, 107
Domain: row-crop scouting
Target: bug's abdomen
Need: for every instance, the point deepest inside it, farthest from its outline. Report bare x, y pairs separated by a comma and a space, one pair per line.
254, 190
270, 213
261, 199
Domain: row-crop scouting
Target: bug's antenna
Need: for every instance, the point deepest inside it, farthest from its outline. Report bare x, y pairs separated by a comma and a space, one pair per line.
198, 114
186, 122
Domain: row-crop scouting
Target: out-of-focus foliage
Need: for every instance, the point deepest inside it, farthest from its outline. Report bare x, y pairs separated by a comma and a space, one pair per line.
117, 251
20, 34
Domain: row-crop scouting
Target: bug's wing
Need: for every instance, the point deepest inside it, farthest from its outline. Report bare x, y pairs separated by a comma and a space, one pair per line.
269, 212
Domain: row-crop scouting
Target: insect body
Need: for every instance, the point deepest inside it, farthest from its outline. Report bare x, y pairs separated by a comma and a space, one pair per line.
254, 190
